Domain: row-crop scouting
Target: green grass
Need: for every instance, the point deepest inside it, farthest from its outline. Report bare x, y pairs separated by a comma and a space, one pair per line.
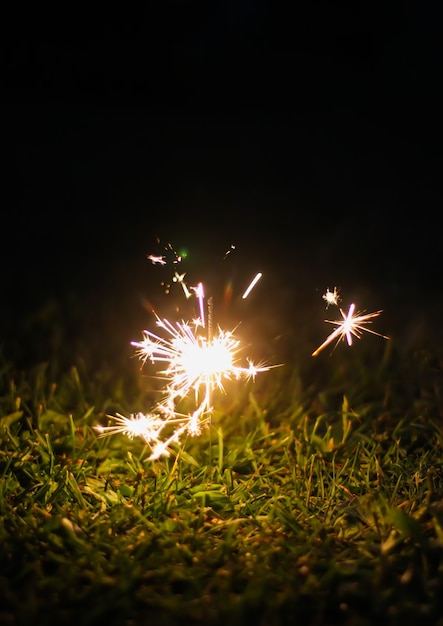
315, 498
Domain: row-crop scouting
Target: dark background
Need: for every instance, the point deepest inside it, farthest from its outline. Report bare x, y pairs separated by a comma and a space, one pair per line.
308, 139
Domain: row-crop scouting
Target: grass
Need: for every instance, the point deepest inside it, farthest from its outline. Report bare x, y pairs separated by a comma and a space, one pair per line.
315, 498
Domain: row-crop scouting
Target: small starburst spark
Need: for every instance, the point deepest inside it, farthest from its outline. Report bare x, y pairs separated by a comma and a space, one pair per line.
150, 427
331, 297
351, 325
197, 361
200, 295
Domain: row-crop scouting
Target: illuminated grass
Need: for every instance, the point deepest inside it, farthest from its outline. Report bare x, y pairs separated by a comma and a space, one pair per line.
316, 497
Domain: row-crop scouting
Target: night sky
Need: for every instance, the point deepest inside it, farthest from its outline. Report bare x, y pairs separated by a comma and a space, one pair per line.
305, 144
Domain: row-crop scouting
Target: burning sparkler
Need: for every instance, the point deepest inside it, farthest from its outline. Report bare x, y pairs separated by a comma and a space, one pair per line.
196, 360
351, 325
193, 363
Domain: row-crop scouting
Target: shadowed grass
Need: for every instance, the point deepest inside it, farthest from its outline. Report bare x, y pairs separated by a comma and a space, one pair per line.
315, 497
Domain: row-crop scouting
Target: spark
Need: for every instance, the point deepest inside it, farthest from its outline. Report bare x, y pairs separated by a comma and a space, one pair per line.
232, 247
150, 427
137, 425
200, 294
351, 325
176, 258
157, 259
162, 259
331, 297
252, 285
179, 278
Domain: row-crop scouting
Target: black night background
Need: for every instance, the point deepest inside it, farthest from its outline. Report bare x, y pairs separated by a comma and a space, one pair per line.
309, 140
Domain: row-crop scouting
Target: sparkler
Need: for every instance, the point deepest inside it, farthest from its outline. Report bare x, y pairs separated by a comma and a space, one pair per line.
200, 294
196, 360
351, 325
252, 285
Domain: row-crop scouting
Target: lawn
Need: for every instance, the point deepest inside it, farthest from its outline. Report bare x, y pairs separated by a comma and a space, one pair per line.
312, 496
